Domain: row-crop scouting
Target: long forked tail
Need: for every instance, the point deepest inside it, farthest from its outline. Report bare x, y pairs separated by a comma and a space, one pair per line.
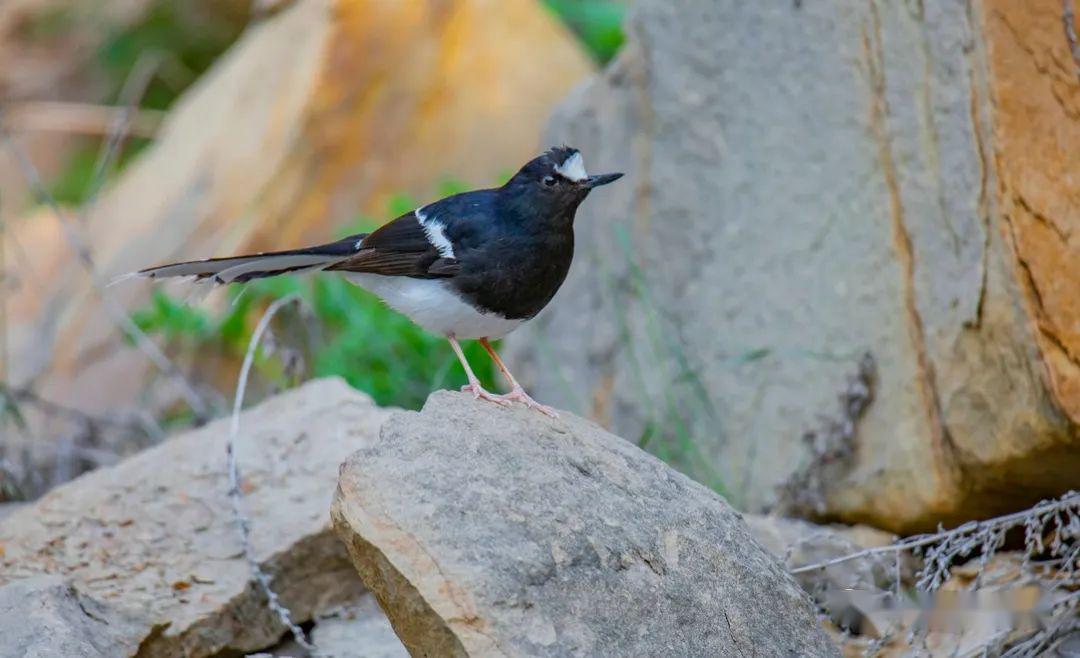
238, 269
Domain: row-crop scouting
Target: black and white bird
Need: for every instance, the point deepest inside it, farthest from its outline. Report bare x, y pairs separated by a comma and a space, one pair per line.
474, 265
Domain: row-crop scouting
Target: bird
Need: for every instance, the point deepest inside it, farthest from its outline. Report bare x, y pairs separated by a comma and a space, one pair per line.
471, 266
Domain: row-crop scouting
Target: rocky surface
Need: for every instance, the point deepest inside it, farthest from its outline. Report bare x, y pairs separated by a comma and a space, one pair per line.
355, 629
155, 536
886, 178
319, 113
45, 617
798, 543
492, 531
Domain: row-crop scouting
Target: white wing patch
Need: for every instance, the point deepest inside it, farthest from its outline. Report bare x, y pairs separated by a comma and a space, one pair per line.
433, 229
573, 168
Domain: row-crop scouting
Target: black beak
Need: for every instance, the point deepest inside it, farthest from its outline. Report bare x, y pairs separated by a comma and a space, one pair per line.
602, 179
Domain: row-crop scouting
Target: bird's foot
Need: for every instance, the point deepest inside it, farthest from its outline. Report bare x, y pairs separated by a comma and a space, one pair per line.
479, 393
519, 395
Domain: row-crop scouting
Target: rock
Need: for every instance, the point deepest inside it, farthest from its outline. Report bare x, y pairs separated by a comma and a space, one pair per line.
851, 593
7, 509
319, 113
156, 534
357, 630
492, 531
45, 617
798, 543
882, 178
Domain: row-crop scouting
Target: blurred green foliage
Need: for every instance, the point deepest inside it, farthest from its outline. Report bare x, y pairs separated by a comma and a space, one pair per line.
75, 183
598, 23
188, 39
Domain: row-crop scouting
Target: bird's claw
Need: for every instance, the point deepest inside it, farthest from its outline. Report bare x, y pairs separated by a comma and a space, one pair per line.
516, 395
519, 395
479, 393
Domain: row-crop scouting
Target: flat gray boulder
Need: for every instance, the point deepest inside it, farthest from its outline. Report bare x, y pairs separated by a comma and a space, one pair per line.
486, 531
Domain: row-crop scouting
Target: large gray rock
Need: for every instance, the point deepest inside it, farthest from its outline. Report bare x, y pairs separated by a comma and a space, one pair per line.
155, 534
807, 182
487, 531
45, 617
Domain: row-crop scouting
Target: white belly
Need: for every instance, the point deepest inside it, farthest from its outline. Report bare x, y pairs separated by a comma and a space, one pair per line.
430, 304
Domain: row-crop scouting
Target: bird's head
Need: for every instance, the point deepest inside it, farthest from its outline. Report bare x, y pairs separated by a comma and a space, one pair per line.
554, 184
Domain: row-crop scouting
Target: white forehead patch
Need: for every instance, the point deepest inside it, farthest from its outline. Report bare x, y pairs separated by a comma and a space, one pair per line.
573, 168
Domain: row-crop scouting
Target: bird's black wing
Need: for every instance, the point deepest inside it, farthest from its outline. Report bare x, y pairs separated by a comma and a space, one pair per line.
401, 247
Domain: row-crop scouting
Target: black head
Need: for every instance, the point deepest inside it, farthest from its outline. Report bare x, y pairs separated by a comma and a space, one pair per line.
553, 185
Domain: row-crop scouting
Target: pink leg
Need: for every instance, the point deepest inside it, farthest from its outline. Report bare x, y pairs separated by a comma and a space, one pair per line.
474, 384
516, 393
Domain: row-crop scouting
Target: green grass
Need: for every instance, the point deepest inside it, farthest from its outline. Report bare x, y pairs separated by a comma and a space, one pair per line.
597, 23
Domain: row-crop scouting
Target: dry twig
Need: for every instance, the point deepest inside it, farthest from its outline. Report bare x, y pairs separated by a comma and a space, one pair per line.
1070, 502
79, 118
243, 523
1052, 562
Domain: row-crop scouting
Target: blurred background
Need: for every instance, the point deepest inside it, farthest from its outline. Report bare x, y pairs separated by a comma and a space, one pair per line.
139, 132
838, 283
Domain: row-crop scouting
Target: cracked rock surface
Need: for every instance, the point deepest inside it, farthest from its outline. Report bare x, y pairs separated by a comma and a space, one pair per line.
154, 536
491, 531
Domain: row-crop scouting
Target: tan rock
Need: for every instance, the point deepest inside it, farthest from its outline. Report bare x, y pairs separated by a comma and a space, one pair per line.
897, 179
155, 535
319, 113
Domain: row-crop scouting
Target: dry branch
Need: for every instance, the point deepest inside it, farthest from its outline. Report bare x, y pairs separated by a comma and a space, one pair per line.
1067, 504
79, 118
243, 523
1051, 563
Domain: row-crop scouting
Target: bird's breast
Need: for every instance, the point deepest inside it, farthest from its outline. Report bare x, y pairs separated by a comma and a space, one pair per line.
517, 277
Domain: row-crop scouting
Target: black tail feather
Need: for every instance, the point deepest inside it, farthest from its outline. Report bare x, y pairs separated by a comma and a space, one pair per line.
239, 269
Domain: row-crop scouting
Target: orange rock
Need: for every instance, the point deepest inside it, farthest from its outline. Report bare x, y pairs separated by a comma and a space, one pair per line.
1036, 95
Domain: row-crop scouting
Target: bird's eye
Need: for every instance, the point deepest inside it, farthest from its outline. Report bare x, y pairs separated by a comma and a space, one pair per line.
549, 181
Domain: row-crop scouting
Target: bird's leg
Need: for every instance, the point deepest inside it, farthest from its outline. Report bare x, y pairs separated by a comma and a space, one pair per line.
474, 384
517, 392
